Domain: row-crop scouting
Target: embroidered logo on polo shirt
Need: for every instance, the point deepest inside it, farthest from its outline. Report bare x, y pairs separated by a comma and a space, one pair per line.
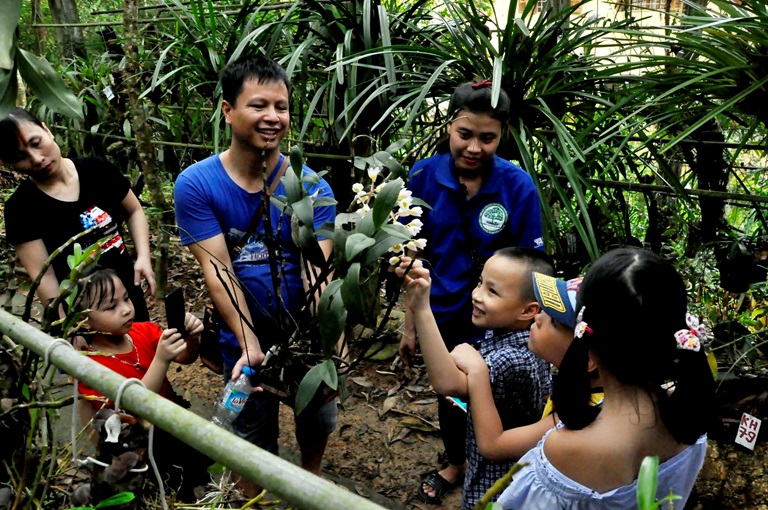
493, 217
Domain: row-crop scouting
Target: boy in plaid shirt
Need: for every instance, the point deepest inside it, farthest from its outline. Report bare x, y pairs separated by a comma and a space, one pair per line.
504, 304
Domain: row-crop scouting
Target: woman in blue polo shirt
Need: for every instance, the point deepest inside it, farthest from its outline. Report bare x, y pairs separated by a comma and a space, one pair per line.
480, 203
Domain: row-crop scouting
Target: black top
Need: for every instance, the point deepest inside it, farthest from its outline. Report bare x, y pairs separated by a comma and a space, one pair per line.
31, 214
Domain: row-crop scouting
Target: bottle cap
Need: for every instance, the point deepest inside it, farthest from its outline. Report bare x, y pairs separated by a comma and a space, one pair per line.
249, 371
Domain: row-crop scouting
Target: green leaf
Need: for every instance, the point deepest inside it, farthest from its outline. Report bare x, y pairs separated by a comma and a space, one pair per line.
646, 483
356, 243
323, 372
385, 239
385, 201
304, 211
310, 247
331, 316
127, 128
9, 20
217, 469
297, 160
351, 293
47, 85
9, 87
396, 146
118, 499
498, 65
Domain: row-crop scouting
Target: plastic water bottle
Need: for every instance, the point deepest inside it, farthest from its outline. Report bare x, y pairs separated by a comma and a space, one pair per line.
233, 399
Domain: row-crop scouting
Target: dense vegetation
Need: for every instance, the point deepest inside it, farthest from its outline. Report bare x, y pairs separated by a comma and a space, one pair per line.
633, 135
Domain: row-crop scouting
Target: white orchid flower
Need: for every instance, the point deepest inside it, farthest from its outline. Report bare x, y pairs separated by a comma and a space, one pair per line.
414, 227
373, 172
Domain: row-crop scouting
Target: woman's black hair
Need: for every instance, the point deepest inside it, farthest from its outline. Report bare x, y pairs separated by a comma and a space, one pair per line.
476, 97
10, 130
250, 67
97, 288
634, 302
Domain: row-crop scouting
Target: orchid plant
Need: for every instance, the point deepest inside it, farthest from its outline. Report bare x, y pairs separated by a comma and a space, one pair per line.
366, 241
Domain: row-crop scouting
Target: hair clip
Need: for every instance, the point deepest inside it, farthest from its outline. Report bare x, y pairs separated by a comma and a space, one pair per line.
479, 84
581, 326
691, 339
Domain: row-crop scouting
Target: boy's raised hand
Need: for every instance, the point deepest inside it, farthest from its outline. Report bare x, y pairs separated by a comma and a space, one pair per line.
170, 345
417, 283
469, 360
193, 325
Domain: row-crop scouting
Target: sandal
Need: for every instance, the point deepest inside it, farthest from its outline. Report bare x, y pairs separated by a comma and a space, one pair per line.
439, 484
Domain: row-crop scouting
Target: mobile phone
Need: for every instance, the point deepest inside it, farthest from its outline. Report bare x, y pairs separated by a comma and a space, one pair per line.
175, 311
458, 402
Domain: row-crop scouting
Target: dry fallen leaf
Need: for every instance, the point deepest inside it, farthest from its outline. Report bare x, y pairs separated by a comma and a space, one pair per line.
362, 381
417, 424
389, 403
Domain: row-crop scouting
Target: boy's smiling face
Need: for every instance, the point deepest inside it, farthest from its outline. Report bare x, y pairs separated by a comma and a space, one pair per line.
549, 339
497, 301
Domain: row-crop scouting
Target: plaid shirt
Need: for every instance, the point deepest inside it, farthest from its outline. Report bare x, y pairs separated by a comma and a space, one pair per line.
520, 381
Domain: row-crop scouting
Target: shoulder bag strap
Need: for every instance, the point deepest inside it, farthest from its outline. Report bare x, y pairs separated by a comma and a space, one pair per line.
260, 209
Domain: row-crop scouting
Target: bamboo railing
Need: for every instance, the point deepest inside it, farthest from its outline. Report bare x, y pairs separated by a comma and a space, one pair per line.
288, 481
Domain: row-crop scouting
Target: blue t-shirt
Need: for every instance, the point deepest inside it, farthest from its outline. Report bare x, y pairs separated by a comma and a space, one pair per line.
208, 203
504, 212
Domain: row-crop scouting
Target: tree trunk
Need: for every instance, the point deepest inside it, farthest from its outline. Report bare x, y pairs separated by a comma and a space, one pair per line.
144, 147
37, 17
70, 39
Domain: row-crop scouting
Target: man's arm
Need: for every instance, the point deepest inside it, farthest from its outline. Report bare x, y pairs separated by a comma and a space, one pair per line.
136, 221
212, 254
445, 376
32, 256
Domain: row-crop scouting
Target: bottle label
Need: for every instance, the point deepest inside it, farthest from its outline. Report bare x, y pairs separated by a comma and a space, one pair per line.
235, 400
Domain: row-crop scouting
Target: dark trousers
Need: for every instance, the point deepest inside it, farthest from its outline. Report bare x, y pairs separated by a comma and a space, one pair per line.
453, 419
453, 429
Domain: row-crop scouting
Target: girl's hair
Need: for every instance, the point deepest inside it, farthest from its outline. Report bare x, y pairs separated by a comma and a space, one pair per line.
633, 303
10, 130
476, 97
97, 288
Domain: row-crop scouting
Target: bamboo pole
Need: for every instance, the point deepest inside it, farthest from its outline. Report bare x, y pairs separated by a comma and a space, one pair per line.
290, 482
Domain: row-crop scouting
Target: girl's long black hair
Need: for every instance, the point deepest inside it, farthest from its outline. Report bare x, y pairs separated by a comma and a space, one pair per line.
634, 302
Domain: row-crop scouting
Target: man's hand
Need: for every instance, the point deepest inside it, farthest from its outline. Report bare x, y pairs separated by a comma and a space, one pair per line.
251, 357
142, 270
170, 345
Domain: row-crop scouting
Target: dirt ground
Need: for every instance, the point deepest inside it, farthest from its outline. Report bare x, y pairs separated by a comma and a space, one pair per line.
387, 434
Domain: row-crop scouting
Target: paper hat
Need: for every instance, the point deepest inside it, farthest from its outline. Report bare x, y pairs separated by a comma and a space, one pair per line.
557, 297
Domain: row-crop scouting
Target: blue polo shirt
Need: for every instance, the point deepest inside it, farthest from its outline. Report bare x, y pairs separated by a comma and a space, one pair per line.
462, 234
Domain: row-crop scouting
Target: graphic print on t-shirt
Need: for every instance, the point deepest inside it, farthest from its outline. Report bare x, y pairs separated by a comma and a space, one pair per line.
253, 252
96, 216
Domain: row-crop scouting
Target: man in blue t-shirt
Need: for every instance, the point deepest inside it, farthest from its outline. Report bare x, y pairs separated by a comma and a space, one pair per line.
217, 200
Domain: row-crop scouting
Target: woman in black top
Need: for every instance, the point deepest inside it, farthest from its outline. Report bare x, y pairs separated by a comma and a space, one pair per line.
63, 197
